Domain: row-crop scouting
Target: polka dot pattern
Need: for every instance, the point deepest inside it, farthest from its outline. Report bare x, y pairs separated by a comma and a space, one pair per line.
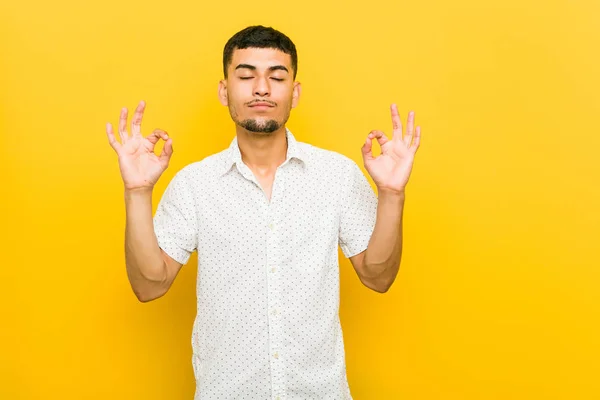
267, 323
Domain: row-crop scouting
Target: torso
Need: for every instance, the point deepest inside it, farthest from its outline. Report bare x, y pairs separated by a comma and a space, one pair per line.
268, 272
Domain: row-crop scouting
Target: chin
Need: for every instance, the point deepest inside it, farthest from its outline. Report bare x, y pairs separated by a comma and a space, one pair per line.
260, 125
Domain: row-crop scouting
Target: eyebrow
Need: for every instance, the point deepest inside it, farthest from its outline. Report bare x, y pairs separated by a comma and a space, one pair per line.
272, 68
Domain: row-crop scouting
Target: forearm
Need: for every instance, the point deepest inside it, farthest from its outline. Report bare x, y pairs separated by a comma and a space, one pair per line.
383, 255
146, 267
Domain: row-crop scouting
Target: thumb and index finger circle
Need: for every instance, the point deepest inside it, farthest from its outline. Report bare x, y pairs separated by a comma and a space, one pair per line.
156, 135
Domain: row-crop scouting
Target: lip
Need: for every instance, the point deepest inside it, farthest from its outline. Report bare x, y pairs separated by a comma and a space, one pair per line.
261, 105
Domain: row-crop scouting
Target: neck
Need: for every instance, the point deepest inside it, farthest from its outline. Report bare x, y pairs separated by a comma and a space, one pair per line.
262, 152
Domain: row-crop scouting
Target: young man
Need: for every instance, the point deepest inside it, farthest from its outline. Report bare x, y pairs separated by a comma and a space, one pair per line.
266, 216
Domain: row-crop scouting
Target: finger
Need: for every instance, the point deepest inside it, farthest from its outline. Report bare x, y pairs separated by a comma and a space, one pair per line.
167, 151
367, 149
136, 121
156, 135
111, 138
380, 136
396, 123
409, 128
123, 125
417, 140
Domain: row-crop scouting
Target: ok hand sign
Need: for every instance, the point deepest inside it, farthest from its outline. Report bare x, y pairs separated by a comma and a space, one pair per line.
140, 167
391, 169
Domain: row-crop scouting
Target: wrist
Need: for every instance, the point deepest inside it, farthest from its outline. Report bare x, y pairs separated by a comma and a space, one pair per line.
391, 193
138, 192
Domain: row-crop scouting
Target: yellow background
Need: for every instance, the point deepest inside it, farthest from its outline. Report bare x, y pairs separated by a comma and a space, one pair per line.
498, 295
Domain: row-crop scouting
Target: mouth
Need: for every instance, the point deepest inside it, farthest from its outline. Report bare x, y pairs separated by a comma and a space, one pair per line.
261, 105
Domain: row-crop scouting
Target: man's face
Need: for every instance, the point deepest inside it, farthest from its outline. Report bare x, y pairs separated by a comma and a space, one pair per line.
260, 90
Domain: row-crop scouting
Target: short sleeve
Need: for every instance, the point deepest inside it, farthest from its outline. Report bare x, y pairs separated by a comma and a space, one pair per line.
175, 220
358, 212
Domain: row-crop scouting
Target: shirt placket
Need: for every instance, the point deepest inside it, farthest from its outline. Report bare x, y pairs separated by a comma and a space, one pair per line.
274, 270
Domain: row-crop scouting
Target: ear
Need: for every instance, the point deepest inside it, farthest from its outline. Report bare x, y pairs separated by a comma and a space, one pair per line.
296, 94
223, 92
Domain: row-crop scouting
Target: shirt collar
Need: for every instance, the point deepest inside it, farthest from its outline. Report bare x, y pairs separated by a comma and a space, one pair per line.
234, 156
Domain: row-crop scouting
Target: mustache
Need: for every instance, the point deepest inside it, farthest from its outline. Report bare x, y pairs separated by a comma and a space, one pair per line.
262, 101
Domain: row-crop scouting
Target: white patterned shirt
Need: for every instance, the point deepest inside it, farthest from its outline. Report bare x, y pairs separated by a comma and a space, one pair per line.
267, 323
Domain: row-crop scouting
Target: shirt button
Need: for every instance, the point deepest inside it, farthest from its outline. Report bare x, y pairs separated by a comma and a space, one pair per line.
276, 355
275, 312
272, 269
271, 226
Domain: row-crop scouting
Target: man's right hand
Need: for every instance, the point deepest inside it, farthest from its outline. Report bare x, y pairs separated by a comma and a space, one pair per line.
140, 167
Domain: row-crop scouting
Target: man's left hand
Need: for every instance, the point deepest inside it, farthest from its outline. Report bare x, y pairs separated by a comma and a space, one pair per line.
391, 169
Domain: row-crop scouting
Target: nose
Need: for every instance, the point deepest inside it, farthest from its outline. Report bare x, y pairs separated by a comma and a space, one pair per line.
262, 87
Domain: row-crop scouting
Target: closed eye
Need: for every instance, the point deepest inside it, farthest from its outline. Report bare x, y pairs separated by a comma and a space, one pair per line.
250, 77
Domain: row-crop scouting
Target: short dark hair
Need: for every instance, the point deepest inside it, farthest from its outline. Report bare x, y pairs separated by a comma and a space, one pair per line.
260, 37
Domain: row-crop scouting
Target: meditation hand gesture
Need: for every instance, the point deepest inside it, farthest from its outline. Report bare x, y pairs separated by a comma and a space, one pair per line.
140, 167
391, 169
